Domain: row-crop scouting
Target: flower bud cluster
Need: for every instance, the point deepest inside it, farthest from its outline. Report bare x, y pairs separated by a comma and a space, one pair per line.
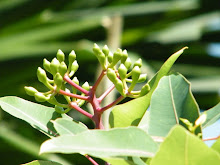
120, 71
57, 68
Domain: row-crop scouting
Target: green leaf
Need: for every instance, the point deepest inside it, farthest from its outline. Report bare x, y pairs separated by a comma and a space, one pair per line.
181, 148
216, 146
68, 127
131, 113
213, 115
42, 162
38, 116
129, 141
171, 100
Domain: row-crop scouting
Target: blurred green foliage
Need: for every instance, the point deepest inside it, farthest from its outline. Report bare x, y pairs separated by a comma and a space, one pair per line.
31, 30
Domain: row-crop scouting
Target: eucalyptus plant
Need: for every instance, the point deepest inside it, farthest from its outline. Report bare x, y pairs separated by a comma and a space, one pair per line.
161, 124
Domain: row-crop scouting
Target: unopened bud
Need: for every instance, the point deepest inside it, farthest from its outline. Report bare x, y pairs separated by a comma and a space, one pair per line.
138, 63
46, 65
201, 119
41, 75
145, 89
62, 68
127, 63
119, 86
110, 57
54, 65
60, 56
30, 91
72, 57
105, 50
116, 57
74, 68
40, 97
122, 70
111, 75
86, 86
136, 71
142, 78
59, 109
124, 56
58, 80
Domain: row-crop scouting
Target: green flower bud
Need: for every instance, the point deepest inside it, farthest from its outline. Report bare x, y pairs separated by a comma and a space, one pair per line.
54, 65
96, 49
59, 109
41, 75
122, 70
62, 68
74, 68
138, 63
30, 91
86, 86
72, 57
111, 75
119, 86
58, 80
135, 74
145, 89
116, 57
142, 78
136, 71
105, 50
46, 65
100, 55
76, 81
124, 56
201, 119
60, 55
110, 57
40, 97
127, 63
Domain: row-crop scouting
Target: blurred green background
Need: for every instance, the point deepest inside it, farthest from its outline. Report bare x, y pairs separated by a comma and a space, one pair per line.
31, 30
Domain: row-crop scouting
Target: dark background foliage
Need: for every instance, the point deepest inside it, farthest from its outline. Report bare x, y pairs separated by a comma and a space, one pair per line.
31, 30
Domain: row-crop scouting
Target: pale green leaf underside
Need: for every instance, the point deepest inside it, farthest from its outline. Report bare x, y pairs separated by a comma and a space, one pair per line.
38, 116
181, 148
68, 127
99, 143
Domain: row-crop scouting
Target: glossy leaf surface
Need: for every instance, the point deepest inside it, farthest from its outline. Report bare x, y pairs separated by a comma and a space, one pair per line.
181, 148
99, 143
171, 100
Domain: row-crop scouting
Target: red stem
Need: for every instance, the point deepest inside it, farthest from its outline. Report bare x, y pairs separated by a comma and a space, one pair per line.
214, 138
91, 160
112, 104
98, 80
106, 93
73, 95
68, 80
76, 107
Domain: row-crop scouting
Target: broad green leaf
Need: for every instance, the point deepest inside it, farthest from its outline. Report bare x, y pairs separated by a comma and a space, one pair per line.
38, 116
42, 162
213, 115
216, 146
129, 141
131, 113
68, 127
181, 148
171, 100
